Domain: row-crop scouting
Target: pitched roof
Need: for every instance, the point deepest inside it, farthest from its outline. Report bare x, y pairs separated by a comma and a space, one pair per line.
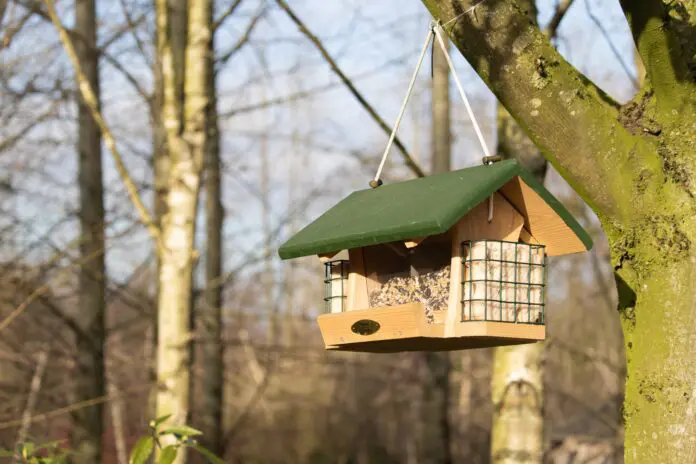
432, 205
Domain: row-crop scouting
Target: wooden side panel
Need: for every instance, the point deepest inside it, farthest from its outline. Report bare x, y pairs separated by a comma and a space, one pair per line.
506, 224
395, 322
542, 222
357, 282
501, 330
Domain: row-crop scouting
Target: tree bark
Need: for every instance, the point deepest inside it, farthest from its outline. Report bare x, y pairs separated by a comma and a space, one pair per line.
436, 447
634, 167
212, 349
90, 380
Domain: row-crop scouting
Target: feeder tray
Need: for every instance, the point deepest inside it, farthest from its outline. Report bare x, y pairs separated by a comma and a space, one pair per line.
447, 262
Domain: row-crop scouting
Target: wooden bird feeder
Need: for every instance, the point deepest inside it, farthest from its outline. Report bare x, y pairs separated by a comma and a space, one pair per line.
446, 262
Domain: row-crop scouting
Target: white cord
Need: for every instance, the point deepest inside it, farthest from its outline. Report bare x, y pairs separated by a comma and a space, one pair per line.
479, 134
403, 105
435, 31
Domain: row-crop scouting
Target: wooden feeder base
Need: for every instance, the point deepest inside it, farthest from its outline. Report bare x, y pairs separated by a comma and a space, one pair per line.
405, 328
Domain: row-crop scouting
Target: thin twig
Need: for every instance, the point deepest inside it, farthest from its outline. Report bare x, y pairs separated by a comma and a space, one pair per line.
34, 388
410, 162
92, 103
613, 48
226, 14
75, 407
244, 38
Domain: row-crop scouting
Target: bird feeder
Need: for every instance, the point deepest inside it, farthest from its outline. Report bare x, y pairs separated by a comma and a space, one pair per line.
446, 262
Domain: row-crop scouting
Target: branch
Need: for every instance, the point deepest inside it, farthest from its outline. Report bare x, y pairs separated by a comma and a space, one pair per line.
34, 388
558, 15
226, 14
243, 39
410, 162
92, 103
666, 67
616, 53
553, 102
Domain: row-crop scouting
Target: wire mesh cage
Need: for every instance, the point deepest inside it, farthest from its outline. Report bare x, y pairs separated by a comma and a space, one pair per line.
335, 285
503, 281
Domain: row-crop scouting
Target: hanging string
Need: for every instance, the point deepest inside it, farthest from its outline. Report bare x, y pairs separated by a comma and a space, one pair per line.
486, 152
477, 129
435, 31
376, 182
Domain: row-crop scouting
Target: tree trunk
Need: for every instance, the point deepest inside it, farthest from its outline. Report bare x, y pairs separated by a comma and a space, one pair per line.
212, 349
518, 421
161, 162
635, 169
186, 145
661, 380
90, 381
436, 447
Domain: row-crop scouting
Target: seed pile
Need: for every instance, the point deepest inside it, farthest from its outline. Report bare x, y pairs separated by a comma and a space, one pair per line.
429, 288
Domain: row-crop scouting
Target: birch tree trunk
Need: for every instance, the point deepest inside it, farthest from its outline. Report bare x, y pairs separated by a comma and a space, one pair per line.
436, 447
186, 143
634, 168
212, 350
518, 419
178, 21
90, 382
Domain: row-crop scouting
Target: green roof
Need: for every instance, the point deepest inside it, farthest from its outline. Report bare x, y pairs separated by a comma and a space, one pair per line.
415, 208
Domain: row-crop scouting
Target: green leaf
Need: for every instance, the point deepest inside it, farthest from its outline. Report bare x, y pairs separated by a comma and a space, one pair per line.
27, 450
4, 453
182, 430
142, 450
168, 455
208, 454
159, 420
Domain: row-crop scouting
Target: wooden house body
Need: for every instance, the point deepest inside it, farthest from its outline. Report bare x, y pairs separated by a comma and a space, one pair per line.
447, 262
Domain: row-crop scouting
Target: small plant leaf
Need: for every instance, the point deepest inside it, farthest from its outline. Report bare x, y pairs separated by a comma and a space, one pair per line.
27, 450
208, 454
6, 453
168, 455
181, 430
159, 421
142, 450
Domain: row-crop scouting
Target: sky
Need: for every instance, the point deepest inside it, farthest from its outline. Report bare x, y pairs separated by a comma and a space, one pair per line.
310, 145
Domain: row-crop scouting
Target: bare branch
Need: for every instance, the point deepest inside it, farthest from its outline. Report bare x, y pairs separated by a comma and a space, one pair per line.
613, 48
410, 162
243, 39
11, 30
91, 101
226, 14
558, 15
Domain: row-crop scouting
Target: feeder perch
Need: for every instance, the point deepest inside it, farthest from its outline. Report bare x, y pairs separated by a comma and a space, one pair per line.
446, 262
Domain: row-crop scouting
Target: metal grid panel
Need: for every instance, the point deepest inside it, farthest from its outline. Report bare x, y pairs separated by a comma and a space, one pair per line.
330, 279
489, 303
